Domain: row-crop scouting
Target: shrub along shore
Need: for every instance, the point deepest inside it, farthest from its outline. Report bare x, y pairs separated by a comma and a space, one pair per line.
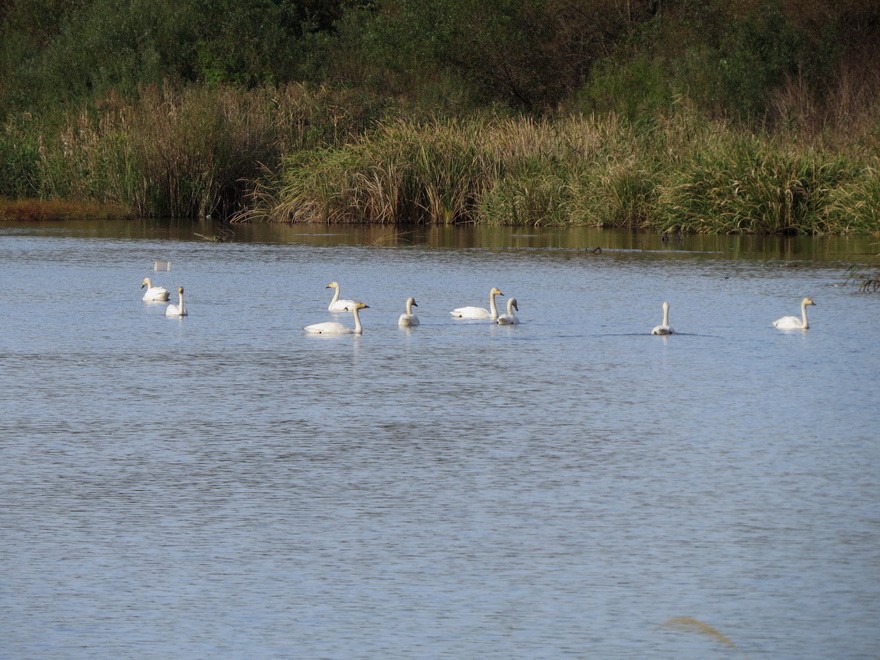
293, 154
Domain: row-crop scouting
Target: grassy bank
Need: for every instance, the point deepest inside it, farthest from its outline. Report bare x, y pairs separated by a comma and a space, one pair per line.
295, 154
181, 153
676, 174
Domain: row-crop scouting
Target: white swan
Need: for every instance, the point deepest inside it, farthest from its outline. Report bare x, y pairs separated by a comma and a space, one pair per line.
663, 328
178, 309
509, 318
479, 312
336, 328
408, 319
154, 293
337, 305
793, 322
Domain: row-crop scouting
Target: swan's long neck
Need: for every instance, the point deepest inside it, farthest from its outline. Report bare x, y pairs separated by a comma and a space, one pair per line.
510, 307
493, 310
180, 308
335, 295
804, 323
409, 307
148, 283
357, 321
666, 314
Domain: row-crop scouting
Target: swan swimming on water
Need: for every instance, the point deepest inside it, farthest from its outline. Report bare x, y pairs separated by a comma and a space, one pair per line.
337, 305
178, 309
479, 312
510, 318
793, 322
154, 293
663, 328
336, 328
408, 319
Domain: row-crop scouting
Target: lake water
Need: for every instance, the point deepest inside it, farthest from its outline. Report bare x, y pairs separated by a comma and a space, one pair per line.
223, 485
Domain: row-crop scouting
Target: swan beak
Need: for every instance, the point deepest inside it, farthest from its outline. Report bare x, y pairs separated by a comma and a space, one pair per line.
415, 304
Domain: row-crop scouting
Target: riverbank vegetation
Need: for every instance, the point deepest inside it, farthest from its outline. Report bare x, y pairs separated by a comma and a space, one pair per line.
751, 116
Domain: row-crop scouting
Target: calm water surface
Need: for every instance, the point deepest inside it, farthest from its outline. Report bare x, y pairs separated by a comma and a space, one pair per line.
224, 486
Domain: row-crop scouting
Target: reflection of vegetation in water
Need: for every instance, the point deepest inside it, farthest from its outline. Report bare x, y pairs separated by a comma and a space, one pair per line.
57, 209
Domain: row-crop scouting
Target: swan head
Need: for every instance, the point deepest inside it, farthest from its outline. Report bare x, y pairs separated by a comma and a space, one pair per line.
359, 305
332, 285
147, 283
807, 301
180, 290
411, 301
665, 306
495, 291
512, 303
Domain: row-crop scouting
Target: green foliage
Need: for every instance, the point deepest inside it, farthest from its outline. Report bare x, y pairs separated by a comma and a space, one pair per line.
636, 88
683, 174
19, 159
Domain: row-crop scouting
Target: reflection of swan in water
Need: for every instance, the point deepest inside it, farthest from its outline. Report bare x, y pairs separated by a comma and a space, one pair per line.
178, 309
336, 328
793, 322
510, 318
408, 319
479, 312
154, 293
337, 305
663, 328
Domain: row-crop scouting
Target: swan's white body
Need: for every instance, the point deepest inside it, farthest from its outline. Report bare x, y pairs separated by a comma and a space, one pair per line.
663, 328
793, 322
337, 305
154, 293
408, 319
509, 318
336, 328
479, 312
178, 309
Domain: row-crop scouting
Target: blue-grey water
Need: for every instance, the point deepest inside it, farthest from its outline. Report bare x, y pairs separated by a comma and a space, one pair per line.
223, 485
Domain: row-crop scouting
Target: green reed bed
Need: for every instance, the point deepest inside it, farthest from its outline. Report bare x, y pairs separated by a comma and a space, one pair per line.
676, 174
186, 152
313, 155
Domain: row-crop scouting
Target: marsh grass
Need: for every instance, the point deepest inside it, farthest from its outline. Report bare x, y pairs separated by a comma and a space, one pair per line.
174, 152
298, 154
866, 281
681, 174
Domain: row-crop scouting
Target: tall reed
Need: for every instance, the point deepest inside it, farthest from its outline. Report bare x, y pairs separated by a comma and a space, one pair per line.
678, 173
184, 152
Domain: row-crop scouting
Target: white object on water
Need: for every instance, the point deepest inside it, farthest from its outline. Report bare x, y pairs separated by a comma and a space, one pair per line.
337, 305
154, 293
663, 328
510, 318
793, 322
336, 328
408, 319
178, 309
160, 265
479, 312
